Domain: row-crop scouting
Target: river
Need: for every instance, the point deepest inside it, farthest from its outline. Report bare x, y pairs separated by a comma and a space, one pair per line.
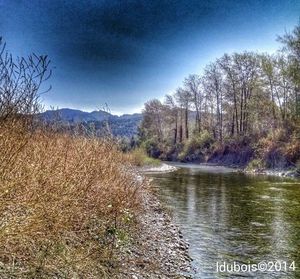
235, 221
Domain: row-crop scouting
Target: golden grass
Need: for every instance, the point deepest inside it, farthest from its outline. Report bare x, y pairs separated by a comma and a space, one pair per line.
65, 204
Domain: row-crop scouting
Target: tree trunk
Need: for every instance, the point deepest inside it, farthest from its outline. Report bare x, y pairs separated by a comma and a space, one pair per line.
186, 122
175, 129
241, 111
235, 108
232, 125
180, 127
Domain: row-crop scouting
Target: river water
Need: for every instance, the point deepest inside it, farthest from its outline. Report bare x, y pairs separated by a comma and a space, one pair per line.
234, 221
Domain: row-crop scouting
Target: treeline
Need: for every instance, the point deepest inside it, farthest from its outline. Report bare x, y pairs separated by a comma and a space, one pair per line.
238, 97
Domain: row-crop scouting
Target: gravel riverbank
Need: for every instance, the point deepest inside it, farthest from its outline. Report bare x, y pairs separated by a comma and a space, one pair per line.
163, 167
275, 172
158, 250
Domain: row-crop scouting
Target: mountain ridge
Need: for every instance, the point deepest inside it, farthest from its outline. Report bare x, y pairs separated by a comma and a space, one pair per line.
125, 125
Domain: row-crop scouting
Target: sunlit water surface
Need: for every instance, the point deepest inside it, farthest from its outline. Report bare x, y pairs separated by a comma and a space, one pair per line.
228, 216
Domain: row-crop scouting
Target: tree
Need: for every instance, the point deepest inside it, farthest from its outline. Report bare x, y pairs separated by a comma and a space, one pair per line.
212, 82
231, 88
247, 68
152, 119
172, 114
291, 42
192, 85
269, 75
241, 96
183, 97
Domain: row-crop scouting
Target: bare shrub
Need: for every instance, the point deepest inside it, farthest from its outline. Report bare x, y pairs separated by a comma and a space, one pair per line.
20, 81
66, 203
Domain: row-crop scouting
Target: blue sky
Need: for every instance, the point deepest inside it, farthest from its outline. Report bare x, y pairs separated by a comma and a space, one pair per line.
124, 53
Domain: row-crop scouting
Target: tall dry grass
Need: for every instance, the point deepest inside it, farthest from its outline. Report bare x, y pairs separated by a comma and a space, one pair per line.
66, 203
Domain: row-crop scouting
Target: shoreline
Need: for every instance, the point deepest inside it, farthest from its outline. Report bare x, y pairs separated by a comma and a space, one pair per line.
165, 168
283, 173
158, 250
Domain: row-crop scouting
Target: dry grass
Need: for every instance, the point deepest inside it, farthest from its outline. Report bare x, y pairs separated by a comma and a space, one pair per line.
66, 203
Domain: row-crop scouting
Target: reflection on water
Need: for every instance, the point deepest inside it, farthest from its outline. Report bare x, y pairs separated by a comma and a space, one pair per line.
228, 216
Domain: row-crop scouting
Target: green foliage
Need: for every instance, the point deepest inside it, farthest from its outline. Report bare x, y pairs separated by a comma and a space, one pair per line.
139, 157
204, 139
256, 164
151, 146
199, 142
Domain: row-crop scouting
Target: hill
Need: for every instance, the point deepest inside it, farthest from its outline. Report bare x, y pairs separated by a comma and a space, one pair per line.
123, 126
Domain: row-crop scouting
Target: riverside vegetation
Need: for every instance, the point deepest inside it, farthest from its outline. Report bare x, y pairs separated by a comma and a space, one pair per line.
66, 204
72, 205
66, 200
244, 110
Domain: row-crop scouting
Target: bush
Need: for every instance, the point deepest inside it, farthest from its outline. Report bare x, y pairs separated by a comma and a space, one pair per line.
292, 150
196, 145
277, 149
139, 157
256, 164
65, 204
151, 146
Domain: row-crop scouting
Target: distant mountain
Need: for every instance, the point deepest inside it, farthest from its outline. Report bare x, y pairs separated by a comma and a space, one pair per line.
124, 125
74, 115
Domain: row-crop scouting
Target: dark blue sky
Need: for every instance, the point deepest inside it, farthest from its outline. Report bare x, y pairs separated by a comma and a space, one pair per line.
125, 52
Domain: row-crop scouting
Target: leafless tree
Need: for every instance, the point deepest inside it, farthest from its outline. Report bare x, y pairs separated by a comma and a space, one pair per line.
192, 85
183, 98
212, 83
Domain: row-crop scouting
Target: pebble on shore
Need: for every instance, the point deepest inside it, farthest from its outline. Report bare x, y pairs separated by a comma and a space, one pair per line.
159, 250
